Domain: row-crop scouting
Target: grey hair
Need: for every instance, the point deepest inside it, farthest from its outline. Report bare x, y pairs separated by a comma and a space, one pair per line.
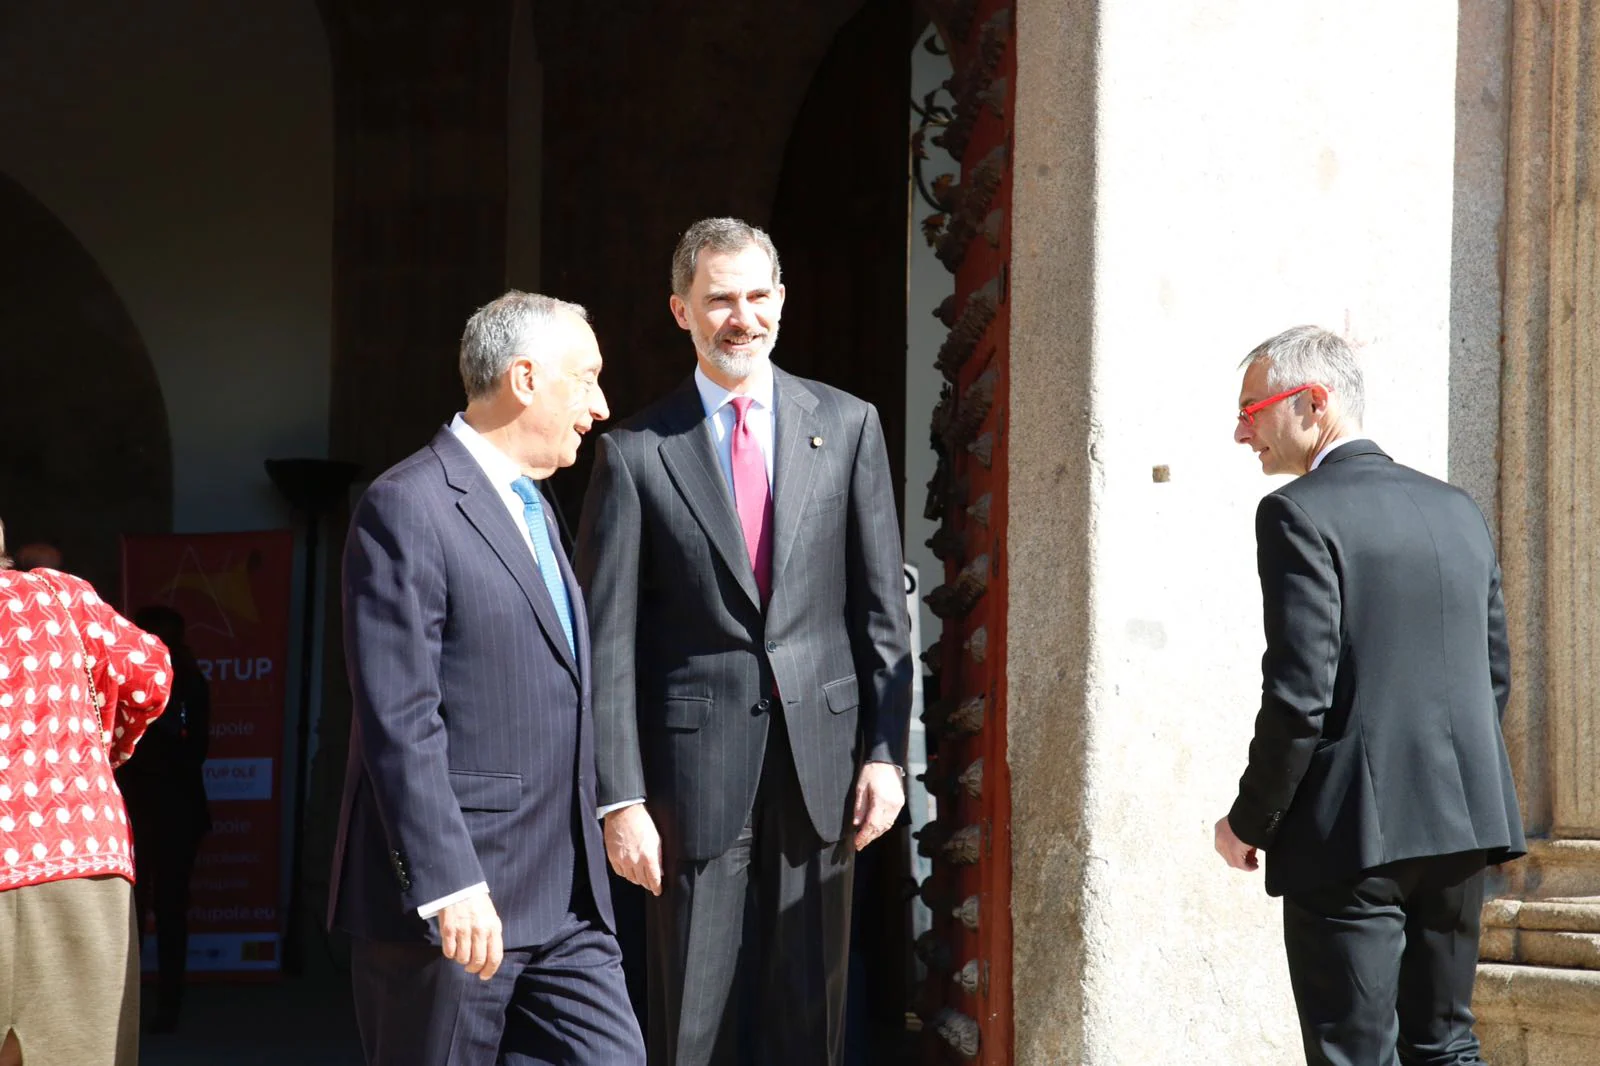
5, 560
503, 328
1310, 354
725, 235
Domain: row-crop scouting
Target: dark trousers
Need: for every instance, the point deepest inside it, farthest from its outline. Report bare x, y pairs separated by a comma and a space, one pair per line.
749, 951
1383, 968
168, 818
562, 1003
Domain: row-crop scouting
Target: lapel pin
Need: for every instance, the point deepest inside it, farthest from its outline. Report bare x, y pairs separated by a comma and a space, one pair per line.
816, 442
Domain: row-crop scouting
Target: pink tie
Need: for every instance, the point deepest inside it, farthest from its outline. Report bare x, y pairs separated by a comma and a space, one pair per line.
751, 496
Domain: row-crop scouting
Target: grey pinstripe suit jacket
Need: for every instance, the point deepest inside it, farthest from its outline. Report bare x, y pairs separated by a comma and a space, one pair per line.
686, 663
471, 749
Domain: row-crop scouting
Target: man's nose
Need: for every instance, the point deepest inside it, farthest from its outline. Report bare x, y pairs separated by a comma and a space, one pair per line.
597, 405
1243, 432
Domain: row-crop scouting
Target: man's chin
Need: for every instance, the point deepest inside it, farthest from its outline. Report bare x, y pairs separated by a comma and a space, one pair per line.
736, 366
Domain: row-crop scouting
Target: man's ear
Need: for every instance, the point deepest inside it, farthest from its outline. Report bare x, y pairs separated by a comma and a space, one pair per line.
523, 375
1319, 398
680, 310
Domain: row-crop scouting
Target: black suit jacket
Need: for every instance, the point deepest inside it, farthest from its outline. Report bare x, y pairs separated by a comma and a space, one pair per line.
471, 746
687, 663
1384, 680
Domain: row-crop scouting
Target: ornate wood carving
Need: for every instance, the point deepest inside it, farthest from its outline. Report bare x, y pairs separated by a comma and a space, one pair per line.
959, 1031
967, 913
972, 779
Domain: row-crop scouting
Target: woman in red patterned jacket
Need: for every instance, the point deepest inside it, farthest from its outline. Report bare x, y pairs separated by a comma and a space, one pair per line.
78, 685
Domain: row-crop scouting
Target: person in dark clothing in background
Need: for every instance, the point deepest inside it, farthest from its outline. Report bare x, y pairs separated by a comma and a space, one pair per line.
163, 786
39, 554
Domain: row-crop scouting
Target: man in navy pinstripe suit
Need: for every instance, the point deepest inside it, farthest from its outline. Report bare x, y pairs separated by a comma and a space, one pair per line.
469, 868
740, 548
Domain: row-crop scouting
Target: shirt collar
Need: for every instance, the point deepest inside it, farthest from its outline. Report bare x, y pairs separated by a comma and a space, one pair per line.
500, 468
713, 396
1330, 446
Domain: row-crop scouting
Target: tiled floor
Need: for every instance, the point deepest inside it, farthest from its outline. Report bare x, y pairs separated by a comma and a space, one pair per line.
309, 1021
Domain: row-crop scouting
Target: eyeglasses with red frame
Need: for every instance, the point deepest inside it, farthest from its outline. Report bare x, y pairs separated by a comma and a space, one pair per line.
1247, 413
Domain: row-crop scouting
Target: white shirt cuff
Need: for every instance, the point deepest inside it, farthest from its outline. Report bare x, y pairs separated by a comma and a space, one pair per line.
608, 808
428, 910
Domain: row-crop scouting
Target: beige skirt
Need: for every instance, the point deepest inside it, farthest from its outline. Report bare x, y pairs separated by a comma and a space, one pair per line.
69, 972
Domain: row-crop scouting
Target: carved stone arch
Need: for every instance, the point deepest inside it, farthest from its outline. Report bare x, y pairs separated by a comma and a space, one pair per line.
85, 454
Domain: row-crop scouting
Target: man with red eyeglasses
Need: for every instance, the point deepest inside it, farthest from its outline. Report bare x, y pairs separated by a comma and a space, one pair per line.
1377, 783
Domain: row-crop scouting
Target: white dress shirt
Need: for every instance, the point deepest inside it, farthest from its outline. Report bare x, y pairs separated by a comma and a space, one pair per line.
501, 470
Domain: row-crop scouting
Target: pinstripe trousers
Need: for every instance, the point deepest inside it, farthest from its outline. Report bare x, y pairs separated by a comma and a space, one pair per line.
562, 1003
749, 951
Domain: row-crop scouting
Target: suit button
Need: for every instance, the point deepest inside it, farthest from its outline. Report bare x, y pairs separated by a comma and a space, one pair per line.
763, 705
772, 646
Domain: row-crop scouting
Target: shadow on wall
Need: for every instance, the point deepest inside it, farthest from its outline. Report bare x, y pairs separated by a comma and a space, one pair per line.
84, 449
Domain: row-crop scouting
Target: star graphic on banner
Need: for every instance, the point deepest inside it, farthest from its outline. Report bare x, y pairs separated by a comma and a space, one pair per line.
226, 588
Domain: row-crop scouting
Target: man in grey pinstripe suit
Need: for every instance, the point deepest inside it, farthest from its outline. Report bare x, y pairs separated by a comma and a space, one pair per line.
469, 868
741, 555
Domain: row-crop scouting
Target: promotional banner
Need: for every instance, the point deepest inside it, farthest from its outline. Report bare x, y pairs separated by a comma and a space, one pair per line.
233, 592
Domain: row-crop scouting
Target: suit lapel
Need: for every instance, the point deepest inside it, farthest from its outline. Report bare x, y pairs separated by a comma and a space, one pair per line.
795, 465
690, 457
483, 508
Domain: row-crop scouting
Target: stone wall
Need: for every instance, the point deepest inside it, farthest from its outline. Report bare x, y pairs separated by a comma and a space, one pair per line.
1190, 179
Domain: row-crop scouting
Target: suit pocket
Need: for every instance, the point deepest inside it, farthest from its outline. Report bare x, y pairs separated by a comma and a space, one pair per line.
481, 790
832, 502
842, 695
685, 714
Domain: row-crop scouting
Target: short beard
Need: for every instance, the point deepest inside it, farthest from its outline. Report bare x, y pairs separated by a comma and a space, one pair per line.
735, 367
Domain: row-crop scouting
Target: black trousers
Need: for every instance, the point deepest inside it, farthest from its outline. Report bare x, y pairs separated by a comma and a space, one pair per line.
168, 817
1383, 967
749, 951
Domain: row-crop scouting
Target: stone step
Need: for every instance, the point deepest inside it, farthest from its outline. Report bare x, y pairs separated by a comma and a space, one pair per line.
1548, 932
1554, 869
1572, 914
1539, 998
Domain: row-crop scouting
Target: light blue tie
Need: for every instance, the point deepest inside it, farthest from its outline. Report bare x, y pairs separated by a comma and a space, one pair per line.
533, 515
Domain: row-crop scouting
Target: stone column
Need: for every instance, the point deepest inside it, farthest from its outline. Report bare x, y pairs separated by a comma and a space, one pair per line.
1538, 998
1572, 375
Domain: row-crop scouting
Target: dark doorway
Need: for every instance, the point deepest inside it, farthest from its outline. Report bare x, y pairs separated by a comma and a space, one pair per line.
84, 452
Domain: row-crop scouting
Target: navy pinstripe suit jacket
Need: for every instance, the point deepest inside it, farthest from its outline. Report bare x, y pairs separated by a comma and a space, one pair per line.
687, 662
471, 748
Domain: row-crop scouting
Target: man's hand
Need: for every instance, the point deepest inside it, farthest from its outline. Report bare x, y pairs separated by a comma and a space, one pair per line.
469, 933
1235, 852
879, 797
634, 846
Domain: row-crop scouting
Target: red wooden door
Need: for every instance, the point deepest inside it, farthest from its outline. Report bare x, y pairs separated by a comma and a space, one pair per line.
966, 1002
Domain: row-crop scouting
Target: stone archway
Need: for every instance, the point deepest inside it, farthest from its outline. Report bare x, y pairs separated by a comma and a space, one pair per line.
85, 454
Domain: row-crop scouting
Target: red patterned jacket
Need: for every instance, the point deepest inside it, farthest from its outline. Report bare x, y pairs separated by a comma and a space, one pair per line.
61, 815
